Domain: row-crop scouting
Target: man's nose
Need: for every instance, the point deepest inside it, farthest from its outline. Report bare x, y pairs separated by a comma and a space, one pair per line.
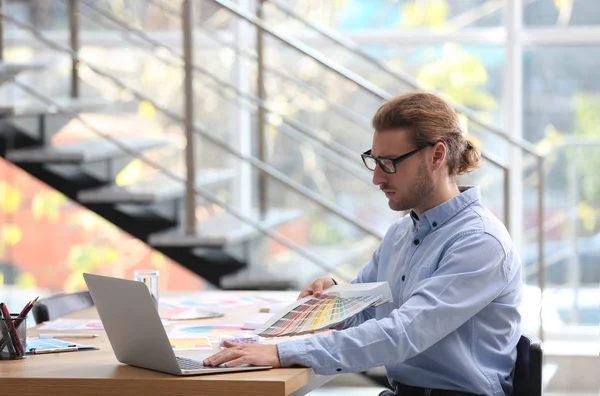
379, 176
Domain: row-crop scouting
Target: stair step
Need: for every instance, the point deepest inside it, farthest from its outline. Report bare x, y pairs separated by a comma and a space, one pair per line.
85, 151
160, 187
222, 230
27, 108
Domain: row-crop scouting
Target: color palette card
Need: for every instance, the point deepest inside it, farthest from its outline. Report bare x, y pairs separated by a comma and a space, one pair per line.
337, 304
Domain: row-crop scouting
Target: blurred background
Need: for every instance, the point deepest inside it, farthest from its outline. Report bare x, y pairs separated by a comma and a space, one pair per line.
219, 142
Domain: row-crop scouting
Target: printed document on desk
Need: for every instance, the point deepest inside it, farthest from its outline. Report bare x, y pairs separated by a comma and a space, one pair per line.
337, 304
38, 346
64, 324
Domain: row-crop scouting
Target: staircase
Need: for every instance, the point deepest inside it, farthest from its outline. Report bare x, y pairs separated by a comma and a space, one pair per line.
231, 243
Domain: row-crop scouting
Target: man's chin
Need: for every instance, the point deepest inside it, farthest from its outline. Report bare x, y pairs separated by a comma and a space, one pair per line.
396, 206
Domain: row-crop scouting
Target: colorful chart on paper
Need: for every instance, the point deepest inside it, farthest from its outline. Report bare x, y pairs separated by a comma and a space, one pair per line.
73, 324
78, 324
211, 332
216, 301
53, 343
190, 344
183, 313
318, 314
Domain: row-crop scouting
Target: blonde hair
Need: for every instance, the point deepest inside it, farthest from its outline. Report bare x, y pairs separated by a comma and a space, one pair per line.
429, 119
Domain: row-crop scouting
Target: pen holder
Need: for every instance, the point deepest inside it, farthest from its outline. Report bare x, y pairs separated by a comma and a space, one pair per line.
13, 338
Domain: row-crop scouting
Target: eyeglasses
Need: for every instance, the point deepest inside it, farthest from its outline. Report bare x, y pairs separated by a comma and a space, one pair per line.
388, 165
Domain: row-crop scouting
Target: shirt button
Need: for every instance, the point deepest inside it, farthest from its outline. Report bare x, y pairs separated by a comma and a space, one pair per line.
416, 241
434, 224
403, 277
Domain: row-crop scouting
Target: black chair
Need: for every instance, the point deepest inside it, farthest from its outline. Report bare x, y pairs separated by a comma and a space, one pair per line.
61, 305
528, 369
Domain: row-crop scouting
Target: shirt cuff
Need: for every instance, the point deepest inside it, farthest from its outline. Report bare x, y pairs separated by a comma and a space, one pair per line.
293, 353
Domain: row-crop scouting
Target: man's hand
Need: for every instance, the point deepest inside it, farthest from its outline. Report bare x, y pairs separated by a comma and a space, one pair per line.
238, 354
316, 288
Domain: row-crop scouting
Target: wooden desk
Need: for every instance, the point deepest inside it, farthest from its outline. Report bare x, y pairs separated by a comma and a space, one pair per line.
88, 373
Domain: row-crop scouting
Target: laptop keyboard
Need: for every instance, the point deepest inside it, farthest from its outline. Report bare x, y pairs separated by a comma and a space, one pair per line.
190, 364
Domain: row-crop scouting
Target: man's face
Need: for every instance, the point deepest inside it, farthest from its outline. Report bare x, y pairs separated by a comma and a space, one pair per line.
412, 183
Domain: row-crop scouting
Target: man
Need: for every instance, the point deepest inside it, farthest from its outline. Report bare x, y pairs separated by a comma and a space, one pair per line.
453, 270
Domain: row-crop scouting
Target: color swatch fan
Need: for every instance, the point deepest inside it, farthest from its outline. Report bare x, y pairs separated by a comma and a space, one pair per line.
337, 304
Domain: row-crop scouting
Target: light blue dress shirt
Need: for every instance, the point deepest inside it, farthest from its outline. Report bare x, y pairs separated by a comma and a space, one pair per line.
454, 323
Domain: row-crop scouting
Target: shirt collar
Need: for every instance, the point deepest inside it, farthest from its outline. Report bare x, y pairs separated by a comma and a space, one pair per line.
440, 214
414, 217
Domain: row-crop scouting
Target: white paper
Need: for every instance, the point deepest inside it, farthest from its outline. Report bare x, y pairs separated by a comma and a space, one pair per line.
257, 320
79, 324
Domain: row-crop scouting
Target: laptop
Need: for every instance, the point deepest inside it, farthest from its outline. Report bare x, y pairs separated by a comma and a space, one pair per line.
136, 333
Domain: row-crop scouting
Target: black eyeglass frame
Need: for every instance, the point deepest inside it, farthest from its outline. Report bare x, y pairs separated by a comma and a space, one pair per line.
394, 161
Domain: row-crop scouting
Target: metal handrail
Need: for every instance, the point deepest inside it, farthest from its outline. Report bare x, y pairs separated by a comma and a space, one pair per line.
304, 49
253, 161
199, 191
340, 109
358, 80
337, 148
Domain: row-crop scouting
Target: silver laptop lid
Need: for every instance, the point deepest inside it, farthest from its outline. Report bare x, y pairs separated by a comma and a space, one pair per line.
132, 323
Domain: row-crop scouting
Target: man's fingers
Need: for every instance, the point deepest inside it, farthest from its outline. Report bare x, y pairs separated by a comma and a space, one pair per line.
222, 357
317, 289
238, 362
306, 292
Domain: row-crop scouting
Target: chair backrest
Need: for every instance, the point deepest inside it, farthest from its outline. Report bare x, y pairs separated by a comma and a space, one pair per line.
528, 369
61, 305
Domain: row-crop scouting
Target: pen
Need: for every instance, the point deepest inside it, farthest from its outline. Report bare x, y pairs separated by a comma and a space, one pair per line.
34, 351
6, 337
12, 331
25, 311
66, 335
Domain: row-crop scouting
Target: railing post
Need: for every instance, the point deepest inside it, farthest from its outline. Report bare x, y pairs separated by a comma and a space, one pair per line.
574, 271
260, 119
1, 32
540, 236
190, 195
74, 41
513, 113
244, 186
507, 199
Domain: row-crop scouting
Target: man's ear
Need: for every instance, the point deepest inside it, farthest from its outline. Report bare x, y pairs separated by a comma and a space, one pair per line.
439, 155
